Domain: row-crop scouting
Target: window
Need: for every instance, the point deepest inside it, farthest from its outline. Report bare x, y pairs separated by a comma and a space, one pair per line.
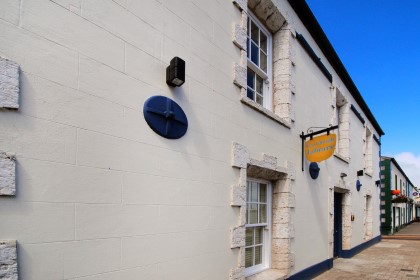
258, 221
341, 119
259, 63
368, 154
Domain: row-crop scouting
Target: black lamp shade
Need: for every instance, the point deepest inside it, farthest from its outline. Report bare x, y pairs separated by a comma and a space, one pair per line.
175, 72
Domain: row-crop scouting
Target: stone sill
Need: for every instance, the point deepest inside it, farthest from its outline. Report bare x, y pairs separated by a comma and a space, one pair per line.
344, 159
269, 274
265, 111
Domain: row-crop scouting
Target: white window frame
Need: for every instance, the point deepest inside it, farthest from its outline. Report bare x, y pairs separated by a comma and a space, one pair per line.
267, 77
266, 254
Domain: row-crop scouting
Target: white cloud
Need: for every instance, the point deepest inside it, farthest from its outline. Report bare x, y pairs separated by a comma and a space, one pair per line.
410, 163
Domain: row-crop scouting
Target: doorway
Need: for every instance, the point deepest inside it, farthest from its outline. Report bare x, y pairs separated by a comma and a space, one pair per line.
338, 224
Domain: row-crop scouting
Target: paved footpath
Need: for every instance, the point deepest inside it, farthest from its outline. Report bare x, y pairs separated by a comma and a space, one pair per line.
390, 259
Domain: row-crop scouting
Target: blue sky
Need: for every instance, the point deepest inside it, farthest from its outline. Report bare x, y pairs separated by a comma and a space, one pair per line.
378, 42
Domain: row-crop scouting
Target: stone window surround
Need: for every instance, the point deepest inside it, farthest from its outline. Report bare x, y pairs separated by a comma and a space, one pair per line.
7, 174
342, 151
283, 81
368, 150
283, 202
9, 84
8, 259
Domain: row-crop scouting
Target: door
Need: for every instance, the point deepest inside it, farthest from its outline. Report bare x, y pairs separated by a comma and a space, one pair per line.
338, 224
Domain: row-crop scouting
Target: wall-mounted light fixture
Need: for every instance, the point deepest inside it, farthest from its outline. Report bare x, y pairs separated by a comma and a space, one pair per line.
377, 183
175, 72
342, 175
360, 173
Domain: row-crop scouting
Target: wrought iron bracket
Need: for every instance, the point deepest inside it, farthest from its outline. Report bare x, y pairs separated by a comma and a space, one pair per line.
303, 136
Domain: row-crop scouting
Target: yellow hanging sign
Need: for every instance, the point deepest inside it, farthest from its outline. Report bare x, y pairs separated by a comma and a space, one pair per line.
320, 148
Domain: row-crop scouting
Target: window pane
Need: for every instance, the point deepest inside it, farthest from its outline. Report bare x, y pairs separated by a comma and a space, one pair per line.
263, 42
254, 32
263, 213
263, 63
248, 257
259, 99
253, 213
250, 94
254, 192
259, 85
254, 53
263, 193
258, 255
250, 78
258, 235
248, 48
249, 240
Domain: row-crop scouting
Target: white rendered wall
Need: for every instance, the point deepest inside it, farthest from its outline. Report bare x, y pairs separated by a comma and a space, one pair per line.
99, 194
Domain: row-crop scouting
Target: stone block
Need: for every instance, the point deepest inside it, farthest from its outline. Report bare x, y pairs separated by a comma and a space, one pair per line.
8, 260
239, 36
238, 237
240, 155
283, 186
253, 3
237, 274
283, 200
239, 75
9, 84
269, 162
241, 4
283, 231
281, 216
242, 216
7, 174
238, 195
281, 245
265, 9
275, 21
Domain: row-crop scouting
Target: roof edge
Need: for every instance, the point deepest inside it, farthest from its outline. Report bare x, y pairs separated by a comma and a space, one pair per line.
310, 22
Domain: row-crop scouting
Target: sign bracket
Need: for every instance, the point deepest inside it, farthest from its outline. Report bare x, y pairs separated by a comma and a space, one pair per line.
303, 136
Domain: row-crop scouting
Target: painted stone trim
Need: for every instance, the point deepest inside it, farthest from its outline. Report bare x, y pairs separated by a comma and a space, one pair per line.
284, 201
7, 174
284, 68
238, 237
9, 84
239, 36
284, 81
8, 260
343, 133
268, 14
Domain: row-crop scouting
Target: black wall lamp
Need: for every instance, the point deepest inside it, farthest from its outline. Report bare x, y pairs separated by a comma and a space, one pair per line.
359, 173
377, 183
175, 72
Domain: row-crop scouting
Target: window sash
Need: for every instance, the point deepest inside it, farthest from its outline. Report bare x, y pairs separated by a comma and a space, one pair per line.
258, 246
264, 48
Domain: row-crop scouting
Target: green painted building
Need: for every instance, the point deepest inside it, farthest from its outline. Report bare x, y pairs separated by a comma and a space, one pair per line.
397, 205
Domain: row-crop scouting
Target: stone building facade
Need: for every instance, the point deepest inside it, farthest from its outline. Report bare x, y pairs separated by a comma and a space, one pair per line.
88, 190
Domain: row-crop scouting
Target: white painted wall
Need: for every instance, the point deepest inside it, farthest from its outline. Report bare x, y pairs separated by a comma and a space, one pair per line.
99, 194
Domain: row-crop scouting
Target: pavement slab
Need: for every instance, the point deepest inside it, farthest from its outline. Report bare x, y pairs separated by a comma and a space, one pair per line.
390, 259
